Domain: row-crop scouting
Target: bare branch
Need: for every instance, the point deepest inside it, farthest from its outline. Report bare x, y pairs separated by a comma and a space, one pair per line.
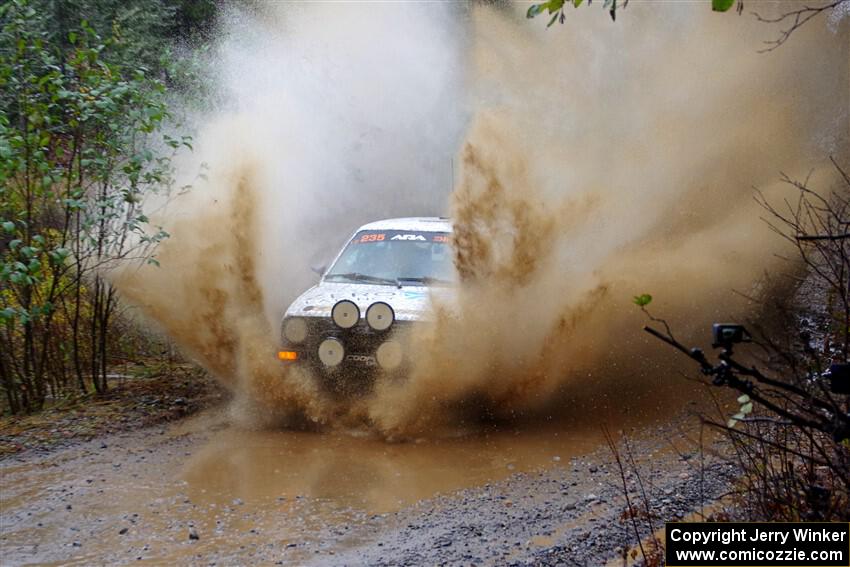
795, 19
823, 237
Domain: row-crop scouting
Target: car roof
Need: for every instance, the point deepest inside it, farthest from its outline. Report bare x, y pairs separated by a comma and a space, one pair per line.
422, 224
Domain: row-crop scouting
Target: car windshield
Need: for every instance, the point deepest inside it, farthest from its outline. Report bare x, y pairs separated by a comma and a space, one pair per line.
396, 257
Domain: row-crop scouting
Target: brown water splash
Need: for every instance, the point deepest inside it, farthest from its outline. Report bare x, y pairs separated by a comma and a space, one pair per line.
205, 296
622, 165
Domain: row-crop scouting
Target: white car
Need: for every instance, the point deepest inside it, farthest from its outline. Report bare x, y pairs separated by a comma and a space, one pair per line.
350, 325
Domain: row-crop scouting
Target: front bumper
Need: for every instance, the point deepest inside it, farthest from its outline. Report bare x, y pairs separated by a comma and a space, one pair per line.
359, 366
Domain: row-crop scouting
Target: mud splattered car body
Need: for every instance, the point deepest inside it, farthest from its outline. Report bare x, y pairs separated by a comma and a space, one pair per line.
352, 324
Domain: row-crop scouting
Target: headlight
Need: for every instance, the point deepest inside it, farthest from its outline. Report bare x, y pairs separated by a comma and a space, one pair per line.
389, 355
345, 314
295, 330
331, 352
380, 316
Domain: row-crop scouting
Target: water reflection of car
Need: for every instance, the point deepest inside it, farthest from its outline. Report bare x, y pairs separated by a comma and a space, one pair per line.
351, 325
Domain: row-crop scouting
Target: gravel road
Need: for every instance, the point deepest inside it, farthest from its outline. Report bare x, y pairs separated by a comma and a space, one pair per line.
139, 496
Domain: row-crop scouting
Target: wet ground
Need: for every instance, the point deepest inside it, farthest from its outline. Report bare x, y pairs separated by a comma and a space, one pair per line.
202, 491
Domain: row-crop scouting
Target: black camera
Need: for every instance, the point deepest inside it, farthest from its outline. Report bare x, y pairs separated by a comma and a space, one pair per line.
727, 334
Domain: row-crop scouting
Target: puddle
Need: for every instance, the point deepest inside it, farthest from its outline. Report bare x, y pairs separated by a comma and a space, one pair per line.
240, 491
244, 489
365, 474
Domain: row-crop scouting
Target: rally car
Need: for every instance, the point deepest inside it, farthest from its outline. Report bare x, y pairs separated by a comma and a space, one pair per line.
351, 325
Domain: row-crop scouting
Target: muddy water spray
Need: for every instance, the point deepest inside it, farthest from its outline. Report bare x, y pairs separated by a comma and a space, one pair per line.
598, 162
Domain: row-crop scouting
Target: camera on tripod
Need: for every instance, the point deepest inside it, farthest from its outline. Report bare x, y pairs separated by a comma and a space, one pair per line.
727, 334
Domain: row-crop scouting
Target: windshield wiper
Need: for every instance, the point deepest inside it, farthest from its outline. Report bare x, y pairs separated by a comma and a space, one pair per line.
358, 277
427, 280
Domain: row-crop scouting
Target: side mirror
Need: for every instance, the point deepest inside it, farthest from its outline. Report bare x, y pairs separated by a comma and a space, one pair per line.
319, 269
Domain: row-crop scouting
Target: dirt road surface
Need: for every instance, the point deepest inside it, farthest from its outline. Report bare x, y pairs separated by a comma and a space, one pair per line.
205, 492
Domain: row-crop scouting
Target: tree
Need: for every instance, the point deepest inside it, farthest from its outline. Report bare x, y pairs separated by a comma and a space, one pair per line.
76, 163
791, 434
793, 19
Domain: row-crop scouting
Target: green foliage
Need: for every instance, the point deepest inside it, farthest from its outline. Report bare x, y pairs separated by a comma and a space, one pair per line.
556, 9
83, 100
745, 410
551, 6
642, 300
722, 5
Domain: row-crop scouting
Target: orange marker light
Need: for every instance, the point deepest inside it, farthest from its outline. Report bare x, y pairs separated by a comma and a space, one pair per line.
287, 355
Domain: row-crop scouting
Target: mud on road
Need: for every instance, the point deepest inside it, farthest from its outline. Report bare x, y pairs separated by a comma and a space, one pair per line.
204, 492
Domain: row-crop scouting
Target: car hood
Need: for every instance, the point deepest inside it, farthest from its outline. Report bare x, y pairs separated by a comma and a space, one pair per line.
410, 303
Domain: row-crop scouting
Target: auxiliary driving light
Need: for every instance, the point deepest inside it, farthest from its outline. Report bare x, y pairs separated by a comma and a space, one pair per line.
345, 314
287, 355
380, 316
295, 330
389, 355
331, 351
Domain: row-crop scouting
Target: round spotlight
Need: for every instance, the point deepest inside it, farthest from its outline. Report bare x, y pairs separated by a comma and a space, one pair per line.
389, 355
331, 352
345, 314
380, 316
295, 330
